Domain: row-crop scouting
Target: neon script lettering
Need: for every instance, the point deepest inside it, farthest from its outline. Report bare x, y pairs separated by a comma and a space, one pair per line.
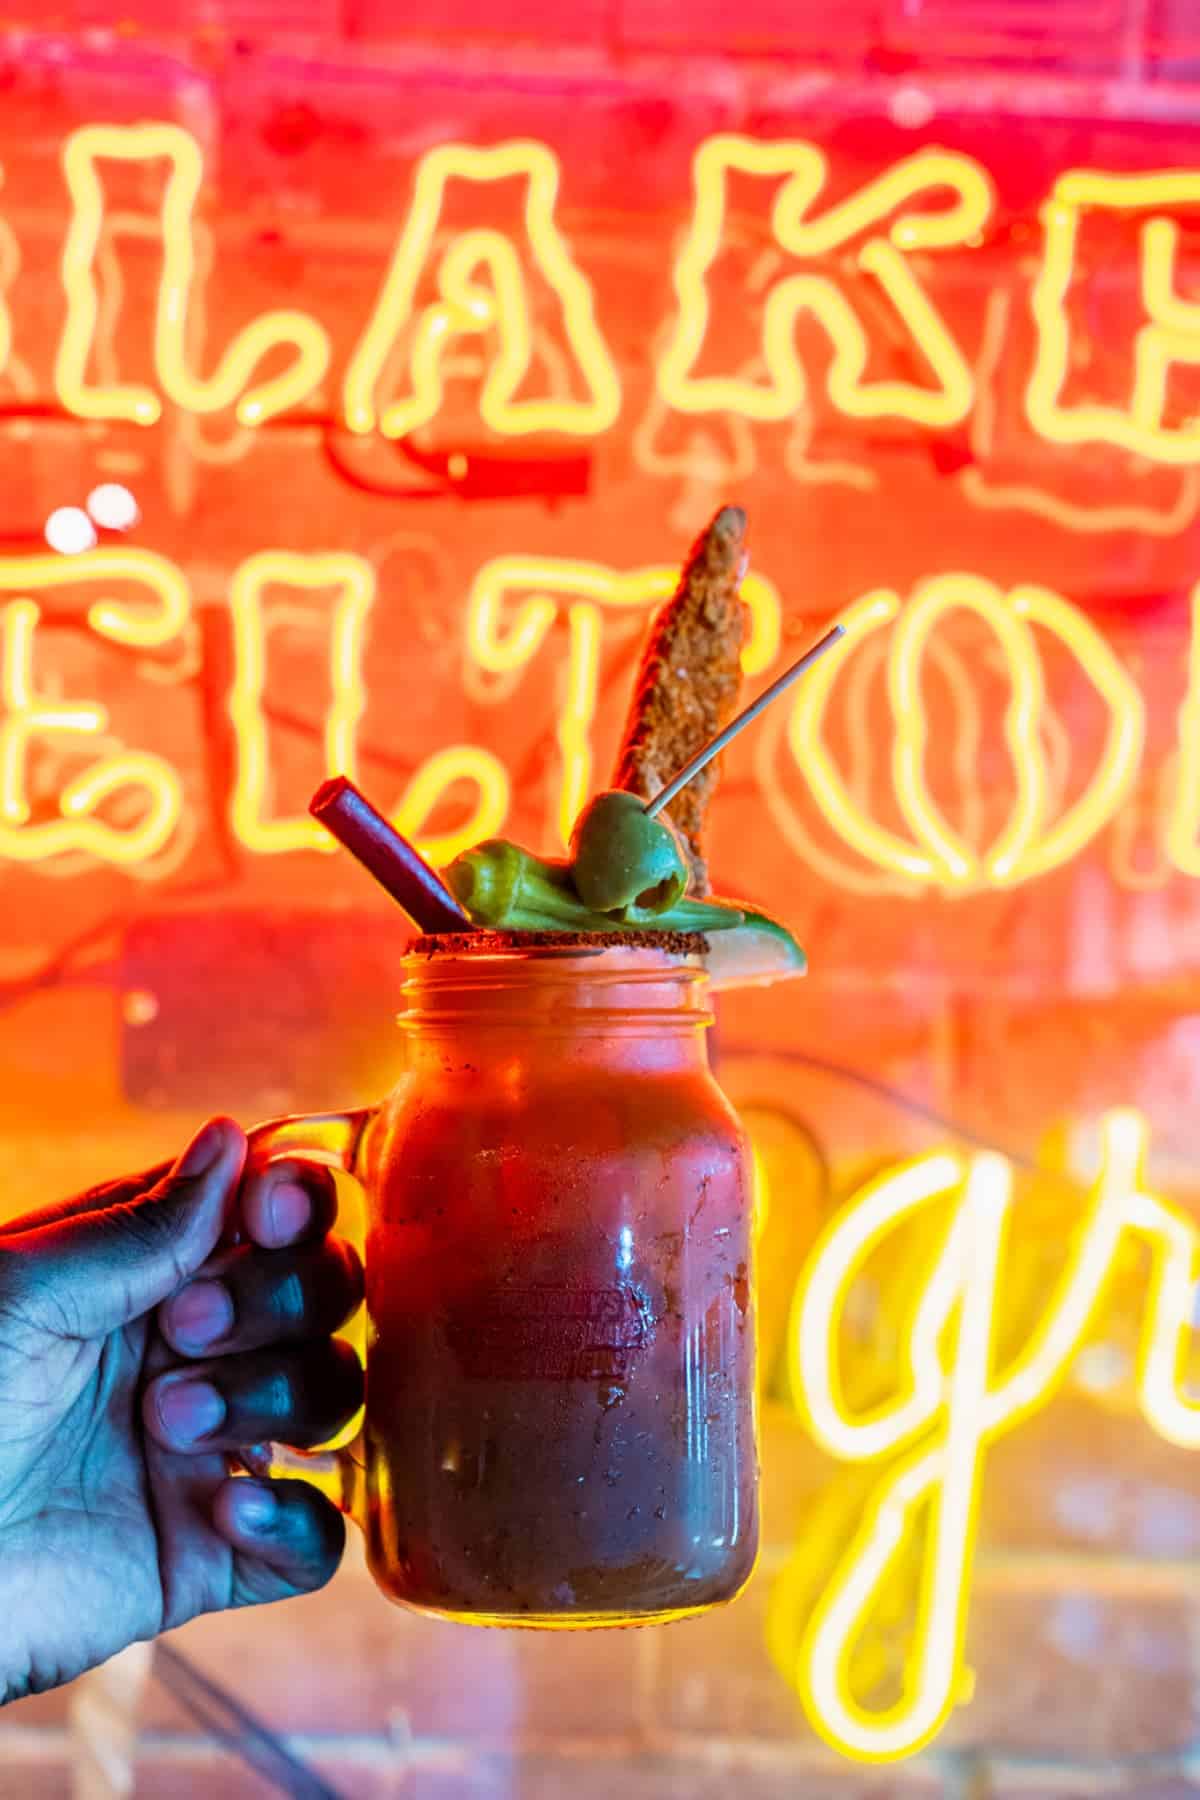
953, 1399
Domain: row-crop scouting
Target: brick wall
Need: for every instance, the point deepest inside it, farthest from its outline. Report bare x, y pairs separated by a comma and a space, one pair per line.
1138, 38
1084, 1626
1085, 1630
1083, 1639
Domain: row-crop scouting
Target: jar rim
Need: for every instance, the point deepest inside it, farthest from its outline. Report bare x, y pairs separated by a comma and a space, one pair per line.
577, 981
674, 947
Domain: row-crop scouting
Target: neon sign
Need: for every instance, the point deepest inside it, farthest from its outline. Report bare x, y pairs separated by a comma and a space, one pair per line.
951, 1402
504, 290
28, 715
803, 170
354, 581
1171, 334
1030, 844
504, 287
467, 305
511, 606
229, 386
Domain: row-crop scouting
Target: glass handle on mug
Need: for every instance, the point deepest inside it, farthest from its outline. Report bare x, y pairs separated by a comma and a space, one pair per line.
339, 1140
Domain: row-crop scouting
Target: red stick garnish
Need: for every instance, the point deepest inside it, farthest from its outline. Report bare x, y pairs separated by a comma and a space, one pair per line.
349, 817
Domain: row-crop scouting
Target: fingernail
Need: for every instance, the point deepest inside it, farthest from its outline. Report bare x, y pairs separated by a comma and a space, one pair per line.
203, 1150
190, 1410
199, 1314
254, 1507
291, 1210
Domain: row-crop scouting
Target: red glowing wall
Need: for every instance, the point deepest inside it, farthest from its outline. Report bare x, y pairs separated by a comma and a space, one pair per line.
554, 311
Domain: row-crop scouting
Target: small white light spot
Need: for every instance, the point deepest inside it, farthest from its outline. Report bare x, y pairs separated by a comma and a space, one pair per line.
113, 506
69, 530
139, 1007
910, 108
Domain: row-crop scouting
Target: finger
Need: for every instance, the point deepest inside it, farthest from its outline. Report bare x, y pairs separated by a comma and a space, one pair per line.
250, 1297
302, 1397
95, 1199
94, 1273
287, 1202
288, 1538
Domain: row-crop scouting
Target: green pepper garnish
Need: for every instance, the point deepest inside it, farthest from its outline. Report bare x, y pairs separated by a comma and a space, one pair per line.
501, 885
620, 859
504, 888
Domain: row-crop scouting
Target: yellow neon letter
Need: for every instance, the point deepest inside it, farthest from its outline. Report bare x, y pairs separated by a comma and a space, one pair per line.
807, 744
1171, 335
26, 716
1170, 1318
947, 1480
1183, 821
800, 170
954, 859
354, 580
502, 644
230, 384
435, 778
499, 303
1029, 845
113, 617
1116, 773
820, 1299
1171, 1321
949, 1406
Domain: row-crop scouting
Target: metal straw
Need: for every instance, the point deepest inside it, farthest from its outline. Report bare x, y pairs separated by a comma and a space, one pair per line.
743, 719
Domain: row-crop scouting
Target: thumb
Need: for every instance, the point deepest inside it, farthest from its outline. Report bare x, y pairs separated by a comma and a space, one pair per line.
88, 1275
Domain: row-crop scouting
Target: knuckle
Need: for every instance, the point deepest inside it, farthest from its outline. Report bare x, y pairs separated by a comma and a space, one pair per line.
315, 1535
21, 1289
150, 1227
314, 1291
306, 1395
292, 1300
283, 1396
142, 1227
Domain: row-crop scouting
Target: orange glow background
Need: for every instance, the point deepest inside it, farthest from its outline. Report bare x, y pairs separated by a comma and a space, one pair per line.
214, 975
307, 181
303, 198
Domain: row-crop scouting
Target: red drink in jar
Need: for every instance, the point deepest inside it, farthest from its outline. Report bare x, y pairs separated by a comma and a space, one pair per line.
560, 1414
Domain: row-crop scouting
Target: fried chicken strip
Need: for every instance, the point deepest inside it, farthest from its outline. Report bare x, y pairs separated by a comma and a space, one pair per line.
689, 681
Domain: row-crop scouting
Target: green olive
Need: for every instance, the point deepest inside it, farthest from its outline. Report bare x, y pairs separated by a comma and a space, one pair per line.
622, 859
